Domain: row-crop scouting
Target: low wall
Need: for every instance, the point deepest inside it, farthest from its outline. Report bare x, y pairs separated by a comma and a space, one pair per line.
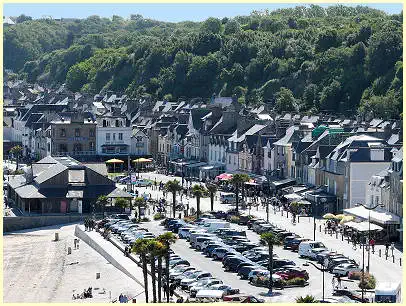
88, 240
11, 224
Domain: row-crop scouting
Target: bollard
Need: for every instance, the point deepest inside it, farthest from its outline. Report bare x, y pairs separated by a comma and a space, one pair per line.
342, 237
69, 250
336, 235
56, 236
380, 252
97, 275
393, 258
320, 228
400, 261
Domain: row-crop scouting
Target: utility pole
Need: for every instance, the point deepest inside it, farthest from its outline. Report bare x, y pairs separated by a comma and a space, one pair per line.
322, 269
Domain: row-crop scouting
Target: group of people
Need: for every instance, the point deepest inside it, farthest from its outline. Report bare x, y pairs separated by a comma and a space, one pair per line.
123, 298
87, 293
90, 224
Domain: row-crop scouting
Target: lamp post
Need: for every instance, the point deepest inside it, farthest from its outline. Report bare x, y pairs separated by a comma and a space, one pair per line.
320, 269
369, 228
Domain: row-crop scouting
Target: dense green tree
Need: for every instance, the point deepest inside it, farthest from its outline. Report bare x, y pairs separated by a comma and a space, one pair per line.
284, 100
330, 58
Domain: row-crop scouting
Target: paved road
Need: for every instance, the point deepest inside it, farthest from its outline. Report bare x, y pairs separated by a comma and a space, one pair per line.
198, 260
384, 270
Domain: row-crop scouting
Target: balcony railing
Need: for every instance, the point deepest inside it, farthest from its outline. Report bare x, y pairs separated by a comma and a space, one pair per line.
74, 153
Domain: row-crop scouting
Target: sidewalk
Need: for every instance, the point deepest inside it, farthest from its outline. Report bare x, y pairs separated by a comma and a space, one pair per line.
383, 269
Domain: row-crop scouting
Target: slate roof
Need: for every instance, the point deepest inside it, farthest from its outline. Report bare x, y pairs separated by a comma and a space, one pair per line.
197, 115
99, 168
287, 139
398, 155
29, 192
49, 173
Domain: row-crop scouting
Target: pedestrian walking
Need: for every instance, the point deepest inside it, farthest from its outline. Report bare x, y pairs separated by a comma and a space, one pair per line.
372, 244
387, 248
338, 281
172, 288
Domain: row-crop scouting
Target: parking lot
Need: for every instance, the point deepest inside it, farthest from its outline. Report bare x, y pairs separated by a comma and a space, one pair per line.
202, 262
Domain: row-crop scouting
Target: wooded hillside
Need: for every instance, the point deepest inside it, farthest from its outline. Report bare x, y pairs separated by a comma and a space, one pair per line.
339, 59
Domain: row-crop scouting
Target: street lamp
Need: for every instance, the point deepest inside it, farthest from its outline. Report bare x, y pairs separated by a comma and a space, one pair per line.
322, 269
369, 227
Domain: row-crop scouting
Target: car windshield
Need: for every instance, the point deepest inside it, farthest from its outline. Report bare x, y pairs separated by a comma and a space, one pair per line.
318, 245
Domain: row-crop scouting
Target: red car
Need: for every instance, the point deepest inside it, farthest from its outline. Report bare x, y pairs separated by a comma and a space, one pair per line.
290, 273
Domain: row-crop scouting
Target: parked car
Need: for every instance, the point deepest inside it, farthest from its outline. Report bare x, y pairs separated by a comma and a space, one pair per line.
179, 270
242, 298
290, 273
142, 183
339, 261
184, 283
244, 271
184, 275
219, 253
204, 283
125, 180
309, 249
345, 268
183, 230
294, 244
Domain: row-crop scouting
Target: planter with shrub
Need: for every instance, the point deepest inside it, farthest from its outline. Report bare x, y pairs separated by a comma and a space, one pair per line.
295, 282
159, 216
368, 282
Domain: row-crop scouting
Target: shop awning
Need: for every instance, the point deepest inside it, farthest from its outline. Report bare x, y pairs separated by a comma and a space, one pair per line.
292, 197
115, 145
282, 183
196, 165
363, 226
378, 215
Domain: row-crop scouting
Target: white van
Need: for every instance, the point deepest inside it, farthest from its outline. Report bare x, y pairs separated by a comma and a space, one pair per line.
215, 225
227, 197
388, 293
306, 248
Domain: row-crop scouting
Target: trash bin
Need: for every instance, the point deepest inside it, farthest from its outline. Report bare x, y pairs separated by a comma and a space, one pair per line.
97, 275
56, 236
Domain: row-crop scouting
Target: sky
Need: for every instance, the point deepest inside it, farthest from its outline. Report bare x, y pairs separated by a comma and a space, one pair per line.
173, 12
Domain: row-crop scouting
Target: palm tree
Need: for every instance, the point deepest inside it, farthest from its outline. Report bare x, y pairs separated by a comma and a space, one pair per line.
102, 201
122, 202
271, 240
16, 151
173, 187
155, 249
140, 247
237, 180
198, 191
139, 202
212, 188
307, 299
160, 254
167, 239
